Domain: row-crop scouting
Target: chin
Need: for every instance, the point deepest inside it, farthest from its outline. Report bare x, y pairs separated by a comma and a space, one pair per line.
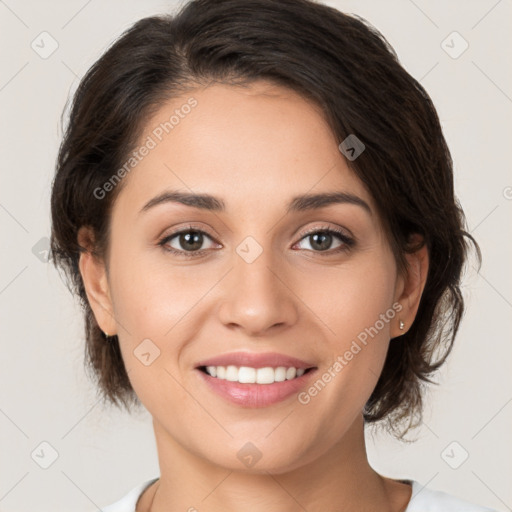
259, 457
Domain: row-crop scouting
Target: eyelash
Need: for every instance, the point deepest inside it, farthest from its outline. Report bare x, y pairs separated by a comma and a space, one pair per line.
348, 243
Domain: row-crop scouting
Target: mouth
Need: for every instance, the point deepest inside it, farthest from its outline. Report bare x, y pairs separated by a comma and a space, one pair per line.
249, 375
252, 379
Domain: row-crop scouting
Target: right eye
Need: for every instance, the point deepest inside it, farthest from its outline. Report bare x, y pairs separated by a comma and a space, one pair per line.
190, 240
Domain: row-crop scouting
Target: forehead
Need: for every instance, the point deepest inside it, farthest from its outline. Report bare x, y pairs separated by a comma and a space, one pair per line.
256, 146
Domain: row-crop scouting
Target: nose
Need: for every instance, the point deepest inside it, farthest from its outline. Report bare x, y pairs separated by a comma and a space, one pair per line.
257, 298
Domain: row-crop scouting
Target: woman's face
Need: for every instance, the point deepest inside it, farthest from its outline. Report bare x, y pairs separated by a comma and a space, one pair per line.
257, 279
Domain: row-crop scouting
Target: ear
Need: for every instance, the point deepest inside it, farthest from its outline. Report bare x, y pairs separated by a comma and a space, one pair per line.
410, 286
94, 276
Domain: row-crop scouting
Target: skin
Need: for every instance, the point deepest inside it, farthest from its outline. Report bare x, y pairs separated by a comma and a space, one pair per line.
254, 147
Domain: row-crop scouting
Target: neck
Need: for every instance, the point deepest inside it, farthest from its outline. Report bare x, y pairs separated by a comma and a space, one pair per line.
339, 479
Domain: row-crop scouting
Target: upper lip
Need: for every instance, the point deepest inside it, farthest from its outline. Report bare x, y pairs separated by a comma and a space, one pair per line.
255, 360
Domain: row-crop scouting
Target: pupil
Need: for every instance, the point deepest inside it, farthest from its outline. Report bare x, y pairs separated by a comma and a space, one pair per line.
193, 239
323, 237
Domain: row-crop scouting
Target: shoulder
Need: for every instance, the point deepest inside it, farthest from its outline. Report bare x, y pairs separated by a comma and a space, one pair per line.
424, 499
128, 502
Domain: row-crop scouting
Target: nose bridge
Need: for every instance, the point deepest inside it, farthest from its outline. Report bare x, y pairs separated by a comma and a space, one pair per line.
255, 265
256, 298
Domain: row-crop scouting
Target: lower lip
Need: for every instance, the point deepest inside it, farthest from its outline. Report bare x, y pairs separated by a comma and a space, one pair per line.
256, 395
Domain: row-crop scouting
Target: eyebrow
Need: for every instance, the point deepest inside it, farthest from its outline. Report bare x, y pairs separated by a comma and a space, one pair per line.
299, 203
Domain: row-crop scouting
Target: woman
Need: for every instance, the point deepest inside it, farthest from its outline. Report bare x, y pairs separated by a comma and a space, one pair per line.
254, 202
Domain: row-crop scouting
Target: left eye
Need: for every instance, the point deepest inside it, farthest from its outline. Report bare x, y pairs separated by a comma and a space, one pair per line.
322, 240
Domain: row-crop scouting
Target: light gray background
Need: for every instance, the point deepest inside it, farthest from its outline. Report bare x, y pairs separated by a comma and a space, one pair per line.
102, 453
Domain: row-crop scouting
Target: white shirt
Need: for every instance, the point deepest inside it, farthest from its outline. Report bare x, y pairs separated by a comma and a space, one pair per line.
423, 499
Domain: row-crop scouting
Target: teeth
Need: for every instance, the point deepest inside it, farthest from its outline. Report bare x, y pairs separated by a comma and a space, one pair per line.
248, 375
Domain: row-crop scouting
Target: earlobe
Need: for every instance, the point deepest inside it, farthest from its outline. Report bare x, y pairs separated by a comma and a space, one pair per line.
412, 286
94, 276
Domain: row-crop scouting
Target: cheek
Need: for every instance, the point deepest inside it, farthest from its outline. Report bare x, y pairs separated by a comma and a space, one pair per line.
150, 297
156, 307
351, 298
355, 305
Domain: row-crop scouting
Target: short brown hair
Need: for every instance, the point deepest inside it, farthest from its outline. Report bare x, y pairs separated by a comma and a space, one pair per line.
346, 67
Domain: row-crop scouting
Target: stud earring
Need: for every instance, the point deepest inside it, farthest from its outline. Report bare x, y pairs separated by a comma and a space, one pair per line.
401, 325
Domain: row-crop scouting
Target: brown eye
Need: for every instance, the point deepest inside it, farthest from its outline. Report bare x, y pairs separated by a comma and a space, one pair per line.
189, 242
321, 240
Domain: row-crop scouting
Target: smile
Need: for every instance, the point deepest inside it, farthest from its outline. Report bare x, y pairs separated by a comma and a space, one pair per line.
249, 375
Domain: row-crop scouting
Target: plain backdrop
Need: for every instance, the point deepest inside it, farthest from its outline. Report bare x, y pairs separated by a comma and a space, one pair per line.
98, 454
